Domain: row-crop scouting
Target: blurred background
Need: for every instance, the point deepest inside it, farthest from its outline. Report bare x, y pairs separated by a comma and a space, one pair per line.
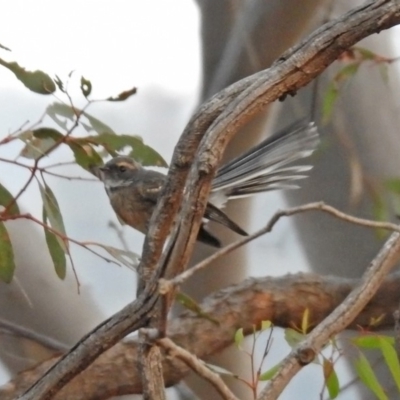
178, 53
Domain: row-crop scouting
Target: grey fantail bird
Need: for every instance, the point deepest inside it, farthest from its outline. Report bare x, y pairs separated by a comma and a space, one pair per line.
134, 190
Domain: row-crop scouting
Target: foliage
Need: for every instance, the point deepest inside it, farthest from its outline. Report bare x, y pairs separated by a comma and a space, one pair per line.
40, 140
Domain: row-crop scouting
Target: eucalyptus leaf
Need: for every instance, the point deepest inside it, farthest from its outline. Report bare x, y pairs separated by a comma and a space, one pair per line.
6, 198
57, 253
368, 377
331, 378
127, 258
123, 95
86, 87
53, 213
7, 264
36, 81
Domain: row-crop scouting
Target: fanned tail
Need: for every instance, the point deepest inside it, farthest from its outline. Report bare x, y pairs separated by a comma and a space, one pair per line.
265, 167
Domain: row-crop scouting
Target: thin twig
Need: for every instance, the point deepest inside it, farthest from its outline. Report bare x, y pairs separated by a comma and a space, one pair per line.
26, 333
45, 153
45, 170
317, 206
57, 233
338, 320
197, 366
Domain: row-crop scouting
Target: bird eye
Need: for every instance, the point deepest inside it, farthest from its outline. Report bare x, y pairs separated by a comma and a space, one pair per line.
122, 168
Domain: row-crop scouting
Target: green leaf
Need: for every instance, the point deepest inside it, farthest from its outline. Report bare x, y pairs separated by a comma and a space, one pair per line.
239, 337
57, 110
329, 101
36, 81
292, 337
347, 72
391, 358
365, 53
367, 341
269, 374
59, 83
147, 156
6, 198
114, 143
305, 321
57, 253
265, 325
384, 72
380, 212
372, 341
97, 125
393, 185
4, 47
53, 213
85, 156
127, 258
189, 303
368, 377
86, 87
48, 133
36, 148
7, 264
123, 95
331, 379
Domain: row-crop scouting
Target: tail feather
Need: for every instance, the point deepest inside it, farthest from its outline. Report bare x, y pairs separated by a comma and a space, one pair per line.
262, 168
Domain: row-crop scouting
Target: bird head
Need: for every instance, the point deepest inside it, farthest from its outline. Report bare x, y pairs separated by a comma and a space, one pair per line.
118, 172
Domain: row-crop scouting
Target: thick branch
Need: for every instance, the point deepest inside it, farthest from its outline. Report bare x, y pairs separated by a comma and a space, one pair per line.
281, 300
221, 117
338, 320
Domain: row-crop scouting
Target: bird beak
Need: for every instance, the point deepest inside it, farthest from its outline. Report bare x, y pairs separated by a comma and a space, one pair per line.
101, 172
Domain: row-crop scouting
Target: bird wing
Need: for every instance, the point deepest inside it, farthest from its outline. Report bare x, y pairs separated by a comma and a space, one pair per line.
149, 185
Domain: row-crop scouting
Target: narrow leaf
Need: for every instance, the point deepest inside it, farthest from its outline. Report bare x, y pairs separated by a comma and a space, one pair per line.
305, 323
115, 143
7, 264
127, 258
6, 198
189, 303
269, 374
265, 325
368, 377
85, 156
4, 47
57, 253
367, 341
57, 110
292, 337
53, 213
393, 185
347, 72
391, 358
59, 83
329, 101
239, 337
36, 148
47, 133
123, 95
36, 81
331, 379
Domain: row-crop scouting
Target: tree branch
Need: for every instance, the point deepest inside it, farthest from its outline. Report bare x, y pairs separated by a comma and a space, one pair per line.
338, 320
217, 121
281, 300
